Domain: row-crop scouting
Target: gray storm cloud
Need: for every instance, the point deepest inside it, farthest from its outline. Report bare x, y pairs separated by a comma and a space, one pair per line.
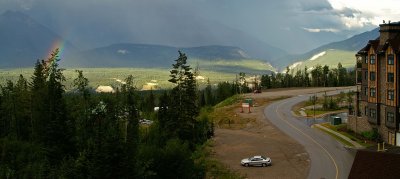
94, 23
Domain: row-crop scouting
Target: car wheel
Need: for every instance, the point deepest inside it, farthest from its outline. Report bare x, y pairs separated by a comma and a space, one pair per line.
264, 164
246, 164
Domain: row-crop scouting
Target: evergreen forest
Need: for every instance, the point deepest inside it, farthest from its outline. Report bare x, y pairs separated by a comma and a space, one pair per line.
47, 132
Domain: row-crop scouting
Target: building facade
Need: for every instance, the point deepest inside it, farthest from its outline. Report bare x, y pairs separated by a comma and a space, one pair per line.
377, 103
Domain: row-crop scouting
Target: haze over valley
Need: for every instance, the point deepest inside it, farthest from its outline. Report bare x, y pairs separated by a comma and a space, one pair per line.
281, 37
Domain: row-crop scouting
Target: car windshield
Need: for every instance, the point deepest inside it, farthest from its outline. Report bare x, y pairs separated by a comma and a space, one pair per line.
264, 157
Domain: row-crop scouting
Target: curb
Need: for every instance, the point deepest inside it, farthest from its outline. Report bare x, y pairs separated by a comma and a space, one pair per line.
356, 145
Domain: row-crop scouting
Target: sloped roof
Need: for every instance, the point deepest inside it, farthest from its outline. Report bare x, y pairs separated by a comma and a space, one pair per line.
369, 164
371, 43
393, 42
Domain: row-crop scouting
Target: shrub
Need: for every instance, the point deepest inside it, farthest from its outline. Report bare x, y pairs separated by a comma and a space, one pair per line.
342, 128
371, 135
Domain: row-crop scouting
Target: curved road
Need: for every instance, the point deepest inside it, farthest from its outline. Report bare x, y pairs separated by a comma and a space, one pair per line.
329, 158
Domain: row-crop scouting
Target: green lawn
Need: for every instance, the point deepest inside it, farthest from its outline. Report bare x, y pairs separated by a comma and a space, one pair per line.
310, 112
349, 135
341, 140
229, 101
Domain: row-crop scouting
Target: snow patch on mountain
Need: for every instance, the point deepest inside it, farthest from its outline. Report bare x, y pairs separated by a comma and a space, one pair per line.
317, 56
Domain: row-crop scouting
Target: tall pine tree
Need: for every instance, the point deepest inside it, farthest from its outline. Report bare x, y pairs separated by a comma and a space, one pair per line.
51, 126
184, 105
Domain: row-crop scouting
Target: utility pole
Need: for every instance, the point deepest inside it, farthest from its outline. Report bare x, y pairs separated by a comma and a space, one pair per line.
314, 101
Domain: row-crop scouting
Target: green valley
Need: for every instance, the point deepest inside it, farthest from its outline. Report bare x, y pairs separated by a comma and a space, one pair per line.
215, 70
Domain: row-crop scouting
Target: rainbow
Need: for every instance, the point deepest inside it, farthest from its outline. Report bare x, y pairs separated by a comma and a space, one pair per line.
49, 61
58, 43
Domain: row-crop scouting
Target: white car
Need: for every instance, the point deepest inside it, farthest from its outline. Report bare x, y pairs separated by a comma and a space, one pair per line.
257, 161
145, 122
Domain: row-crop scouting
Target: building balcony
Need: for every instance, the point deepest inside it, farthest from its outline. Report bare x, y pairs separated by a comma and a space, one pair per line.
373, 120
359, 81
374, 114
359, 65
359, 77
391, 125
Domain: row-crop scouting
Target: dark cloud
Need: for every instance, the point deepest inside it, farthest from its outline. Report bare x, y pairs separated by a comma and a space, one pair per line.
315, 5
93, 23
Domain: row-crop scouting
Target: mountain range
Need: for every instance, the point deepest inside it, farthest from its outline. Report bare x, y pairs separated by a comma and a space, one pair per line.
24, 40
331, 54
145, 55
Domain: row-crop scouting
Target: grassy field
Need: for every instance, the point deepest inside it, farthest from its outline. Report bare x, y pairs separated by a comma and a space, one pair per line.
111, 76
216, 70
341, 140
244, 65
339, 129
331, 58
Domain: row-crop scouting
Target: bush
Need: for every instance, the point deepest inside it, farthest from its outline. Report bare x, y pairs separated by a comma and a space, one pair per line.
229, 101
371, 135
20, 159
342, 128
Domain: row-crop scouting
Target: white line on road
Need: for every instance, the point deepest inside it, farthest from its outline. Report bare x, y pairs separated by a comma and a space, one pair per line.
294, 127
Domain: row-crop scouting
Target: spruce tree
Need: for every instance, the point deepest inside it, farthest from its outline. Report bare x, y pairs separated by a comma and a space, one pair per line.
209, 98
132, 132
81, 110
39, 115
22, 103
58, 134
51, 126
184, 106
7, 109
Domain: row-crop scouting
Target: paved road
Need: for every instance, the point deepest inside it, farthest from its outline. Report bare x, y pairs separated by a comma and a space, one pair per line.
329, 158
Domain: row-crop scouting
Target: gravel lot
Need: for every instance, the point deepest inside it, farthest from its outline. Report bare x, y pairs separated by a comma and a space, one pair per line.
259, 137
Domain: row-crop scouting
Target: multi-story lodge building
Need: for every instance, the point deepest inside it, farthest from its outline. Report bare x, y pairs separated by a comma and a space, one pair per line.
378, 82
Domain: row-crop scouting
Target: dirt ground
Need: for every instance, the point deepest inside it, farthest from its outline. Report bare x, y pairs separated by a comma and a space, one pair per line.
247, 134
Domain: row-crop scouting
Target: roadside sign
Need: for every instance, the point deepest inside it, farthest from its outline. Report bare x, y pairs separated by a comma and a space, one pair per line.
249, 101
246, 105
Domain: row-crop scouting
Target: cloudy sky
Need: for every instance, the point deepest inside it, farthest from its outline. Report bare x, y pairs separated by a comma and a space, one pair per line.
293, 25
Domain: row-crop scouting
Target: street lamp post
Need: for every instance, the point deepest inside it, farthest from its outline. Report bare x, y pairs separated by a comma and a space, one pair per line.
314, 101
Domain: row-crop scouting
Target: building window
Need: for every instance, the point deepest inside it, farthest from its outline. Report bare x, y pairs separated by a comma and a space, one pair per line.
390, 77
372, 59
366, 111
365, 91
390, 95
372, 92
390, 117
390, 59
366, 60
372, 76
365, 75
372, 113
